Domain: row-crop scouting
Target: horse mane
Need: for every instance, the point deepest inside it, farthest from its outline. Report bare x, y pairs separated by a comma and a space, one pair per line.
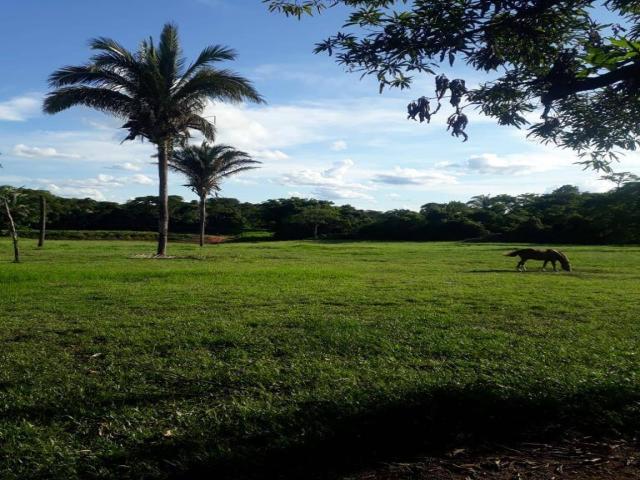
515, 253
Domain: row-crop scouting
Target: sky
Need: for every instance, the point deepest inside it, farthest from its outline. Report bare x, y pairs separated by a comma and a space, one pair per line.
323, 133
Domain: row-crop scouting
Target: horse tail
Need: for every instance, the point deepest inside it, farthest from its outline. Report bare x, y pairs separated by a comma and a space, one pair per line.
564, 261
515, 253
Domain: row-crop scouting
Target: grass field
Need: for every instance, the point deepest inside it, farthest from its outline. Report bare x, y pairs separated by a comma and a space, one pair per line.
277, 357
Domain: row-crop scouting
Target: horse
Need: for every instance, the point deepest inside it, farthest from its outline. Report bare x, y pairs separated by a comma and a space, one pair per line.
547, 256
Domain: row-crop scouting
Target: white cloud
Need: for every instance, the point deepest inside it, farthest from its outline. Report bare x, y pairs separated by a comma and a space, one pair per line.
75, 192
140, 179
128, 166
99, 187
513, 164
339, 169
100, 181
411, 176
330, 183
339, 193
299, 195
22, 150
259, 128
95, 146
339, 145
269, 155
19, 109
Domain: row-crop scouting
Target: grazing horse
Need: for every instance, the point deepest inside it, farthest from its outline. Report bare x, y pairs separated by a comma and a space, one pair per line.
547, 256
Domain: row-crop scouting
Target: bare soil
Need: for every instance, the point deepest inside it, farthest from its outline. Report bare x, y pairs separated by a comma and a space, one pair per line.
583, 459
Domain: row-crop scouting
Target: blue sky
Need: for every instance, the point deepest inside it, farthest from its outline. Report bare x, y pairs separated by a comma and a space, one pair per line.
324, 133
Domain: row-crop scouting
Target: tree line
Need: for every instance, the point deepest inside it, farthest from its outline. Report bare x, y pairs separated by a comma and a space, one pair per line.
565, 215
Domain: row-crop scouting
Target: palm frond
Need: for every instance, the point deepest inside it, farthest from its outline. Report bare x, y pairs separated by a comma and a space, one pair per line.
170, 60
211, 54
219, 85
90, 75
113, 56
204, 126
102, 99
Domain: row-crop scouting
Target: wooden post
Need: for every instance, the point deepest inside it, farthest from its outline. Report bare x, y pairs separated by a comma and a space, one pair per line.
43, 220
14, 233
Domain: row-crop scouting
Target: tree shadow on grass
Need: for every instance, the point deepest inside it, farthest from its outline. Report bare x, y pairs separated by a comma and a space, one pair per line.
321, 441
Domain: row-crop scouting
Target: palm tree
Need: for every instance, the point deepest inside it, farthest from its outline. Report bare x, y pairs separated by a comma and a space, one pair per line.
155, 92
205, 167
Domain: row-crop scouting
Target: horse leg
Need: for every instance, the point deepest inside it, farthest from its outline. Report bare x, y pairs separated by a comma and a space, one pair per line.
555, 268
544, 265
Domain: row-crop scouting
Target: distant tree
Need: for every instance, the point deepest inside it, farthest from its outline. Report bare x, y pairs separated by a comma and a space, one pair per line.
480, 201
9, 199
621, 178
274, 213
155, 91
205, 167
316, 216
456, 210
560, 57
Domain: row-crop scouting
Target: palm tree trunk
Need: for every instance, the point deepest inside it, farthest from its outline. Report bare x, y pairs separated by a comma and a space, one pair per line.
164, 152
203, 218
14, 233
43, 220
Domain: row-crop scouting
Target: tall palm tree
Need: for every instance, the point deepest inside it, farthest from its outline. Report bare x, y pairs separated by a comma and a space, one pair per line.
205, 166
155, 92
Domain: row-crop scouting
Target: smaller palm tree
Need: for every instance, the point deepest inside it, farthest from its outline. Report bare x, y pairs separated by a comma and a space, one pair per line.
205, 166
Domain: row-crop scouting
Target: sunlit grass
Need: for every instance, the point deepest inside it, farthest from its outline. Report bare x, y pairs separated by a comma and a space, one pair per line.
117, 366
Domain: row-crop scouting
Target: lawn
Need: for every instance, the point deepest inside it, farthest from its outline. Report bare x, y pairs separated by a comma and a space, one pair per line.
249, 359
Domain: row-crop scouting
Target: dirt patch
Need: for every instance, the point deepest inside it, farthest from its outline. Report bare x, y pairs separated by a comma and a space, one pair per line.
215, 239
583, 459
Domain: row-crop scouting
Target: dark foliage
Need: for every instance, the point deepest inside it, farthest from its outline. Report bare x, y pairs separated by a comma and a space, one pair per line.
564, 216
576, 63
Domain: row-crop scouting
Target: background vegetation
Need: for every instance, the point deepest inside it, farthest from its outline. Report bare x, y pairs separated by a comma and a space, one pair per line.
566, 215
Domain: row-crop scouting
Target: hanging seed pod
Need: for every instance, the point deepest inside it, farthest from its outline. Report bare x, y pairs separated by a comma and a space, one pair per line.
442, 85
457, 123
458, 90
419, 108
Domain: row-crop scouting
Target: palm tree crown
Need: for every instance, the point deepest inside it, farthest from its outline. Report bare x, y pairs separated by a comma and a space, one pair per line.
160, 97
153, 89
206, 165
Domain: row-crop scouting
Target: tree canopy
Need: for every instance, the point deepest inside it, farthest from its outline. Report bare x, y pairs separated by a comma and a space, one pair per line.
565, 61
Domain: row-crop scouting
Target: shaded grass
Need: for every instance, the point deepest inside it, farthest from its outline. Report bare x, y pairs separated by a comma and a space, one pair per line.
261, 358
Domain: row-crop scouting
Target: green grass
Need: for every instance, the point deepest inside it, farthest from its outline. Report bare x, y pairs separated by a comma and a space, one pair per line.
236, 355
